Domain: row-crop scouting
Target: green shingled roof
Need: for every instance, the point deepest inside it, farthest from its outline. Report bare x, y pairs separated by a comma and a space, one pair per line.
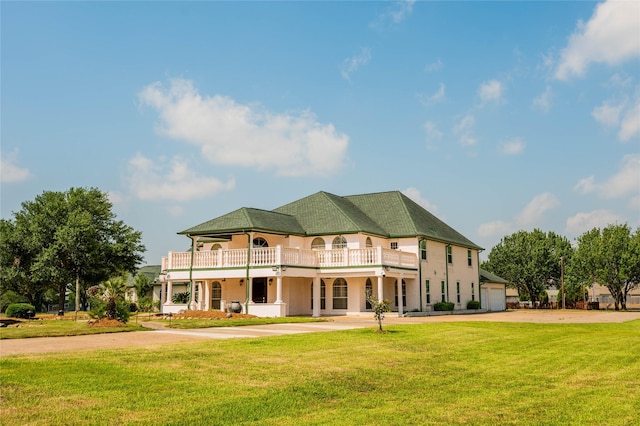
387, 214
486, 276
401, 217
323, 213
248, 219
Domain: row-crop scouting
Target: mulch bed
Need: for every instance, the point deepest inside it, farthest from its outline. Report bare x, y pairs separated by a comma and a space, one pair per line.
104, 322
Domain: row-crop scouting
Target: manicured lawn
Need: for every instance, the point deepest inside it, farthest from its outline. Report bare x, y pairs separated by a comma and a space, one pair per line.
437, 373
56, 328
232, 322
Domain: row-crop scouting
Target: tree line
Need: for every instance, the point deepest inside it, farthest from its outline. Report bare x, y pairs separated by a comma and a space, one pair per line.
533, 261
63, 241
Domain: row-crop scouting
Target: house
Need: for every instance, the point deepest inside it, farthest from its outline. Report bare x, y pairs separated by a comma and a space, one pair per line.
493, 291
321, 255
152, 272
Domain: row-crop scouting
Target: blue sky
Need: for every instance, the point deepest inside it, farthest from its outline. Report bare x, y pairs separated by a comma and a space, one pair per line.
495, 116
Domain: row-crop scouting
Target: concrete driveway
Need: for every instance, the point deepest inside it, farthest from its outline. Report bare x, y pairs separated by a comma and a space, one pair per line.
162, 336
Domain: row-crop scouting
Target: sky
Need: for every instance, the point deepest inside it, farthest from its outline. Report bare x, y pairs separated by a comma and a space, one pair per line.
494, 116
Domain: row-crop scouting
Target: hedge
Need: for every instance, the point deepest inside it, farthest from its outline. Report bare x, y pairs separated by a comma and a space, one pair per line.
20, 310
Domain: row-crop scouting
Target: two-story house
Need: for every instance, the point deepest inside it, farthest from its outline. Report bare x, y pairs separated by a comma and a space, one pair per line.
321, 255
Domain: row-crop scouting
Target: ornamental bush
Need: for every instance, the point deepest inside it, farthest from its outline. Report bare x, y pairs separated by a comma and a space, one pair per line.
20, 310
473, 304
443, 306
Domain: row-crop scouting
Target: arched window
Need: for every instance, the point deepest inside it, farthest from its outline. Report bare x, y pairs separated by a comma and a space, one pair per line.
260, 242
216, 246
339, 242
318, 244
323, 290
404, 292
368, 243
340, 294
368, 290
216, 295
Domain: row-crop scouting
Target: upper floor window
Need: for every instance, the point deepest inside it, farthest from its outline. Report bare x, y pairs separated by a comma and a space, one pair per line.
394, 245
318, 244
368, 243
339, 242
469, 262
216, 246
260, 242
423, 250
449, 254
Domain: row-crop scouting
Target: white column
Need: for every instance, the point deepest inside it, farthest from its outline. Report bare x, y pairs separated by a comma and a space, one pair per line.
207, 296
279, 289
380, 288
169, 293
250, 290
200, 295
316, 297
400, 310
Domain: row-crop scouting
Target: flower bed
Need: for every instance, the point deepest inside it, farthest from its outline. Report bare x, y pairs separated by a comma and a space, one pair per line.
210, 315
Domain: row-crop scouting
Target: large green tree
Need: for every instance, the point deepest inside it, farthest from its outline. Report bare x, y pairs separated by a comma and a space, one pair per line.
609, 257
530, 260
69, 237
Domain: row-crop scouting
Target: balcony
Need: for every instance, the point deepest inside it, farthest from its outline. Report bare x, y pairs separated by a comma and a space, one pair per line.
270, 256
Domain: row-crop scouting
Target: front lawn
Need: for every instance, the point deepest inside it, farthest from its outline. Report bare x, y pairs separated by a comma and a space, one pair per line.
59, 327
477, 373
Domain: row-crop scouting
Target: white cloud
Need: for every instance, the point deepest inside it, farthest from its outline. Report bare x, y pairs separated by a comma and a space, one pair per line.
433, 134
495, 228
533, 211
544, 101
608, 113
234, 134
10, 171
170, 180
512, 147
610, 37
434, 66
415, 195
398, 12
630, 125
583, 222
463, 130
490, 91
530, 216
437, 97
351, 65
626, 182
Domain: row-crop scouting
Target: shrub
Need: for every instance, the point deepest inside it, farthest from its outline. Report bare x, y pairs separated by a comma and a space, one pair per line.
443, 306
181, 298
10, 297
21, 310
473, 304
99, 309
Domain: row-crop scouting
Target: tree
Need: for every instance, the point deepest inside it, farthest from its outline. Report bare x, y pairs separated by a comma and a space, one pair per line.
379, 308
70, 237
530, 260
609, 257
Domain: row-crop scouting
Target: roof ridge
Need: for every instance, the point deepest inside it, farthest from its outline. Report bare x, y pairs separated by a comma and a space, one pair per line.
356, 225
403, 197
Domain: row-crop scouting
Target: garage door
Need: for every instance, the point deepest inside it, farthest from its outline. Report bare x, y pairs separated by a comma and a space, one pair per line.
496, 298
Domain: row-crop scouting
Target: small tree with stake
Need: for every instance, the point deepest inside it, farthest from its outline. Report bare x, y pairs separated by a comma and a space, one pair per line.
379, 308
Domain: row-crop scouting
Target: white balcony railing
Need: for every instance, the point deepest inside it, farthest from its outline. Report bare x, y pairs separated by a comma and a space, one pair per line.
236, 258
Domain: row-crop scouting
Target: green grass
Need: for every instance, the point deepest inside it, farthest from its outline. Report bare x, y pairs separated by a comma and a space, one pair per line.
232, 322
474, 373
57, 328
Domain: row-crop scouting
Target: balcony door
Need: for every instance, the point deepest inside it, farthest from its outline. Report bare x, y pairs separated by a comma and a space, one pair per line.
259, 290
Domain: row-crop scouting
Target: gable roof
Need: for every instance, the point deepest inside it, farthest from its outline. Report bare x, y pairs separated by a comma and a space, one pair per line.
486, 276
248, 219
386, 214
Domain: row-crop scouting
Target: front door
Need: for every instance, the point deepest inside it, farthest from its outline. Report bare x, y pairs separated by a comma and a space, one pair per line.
259, 290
